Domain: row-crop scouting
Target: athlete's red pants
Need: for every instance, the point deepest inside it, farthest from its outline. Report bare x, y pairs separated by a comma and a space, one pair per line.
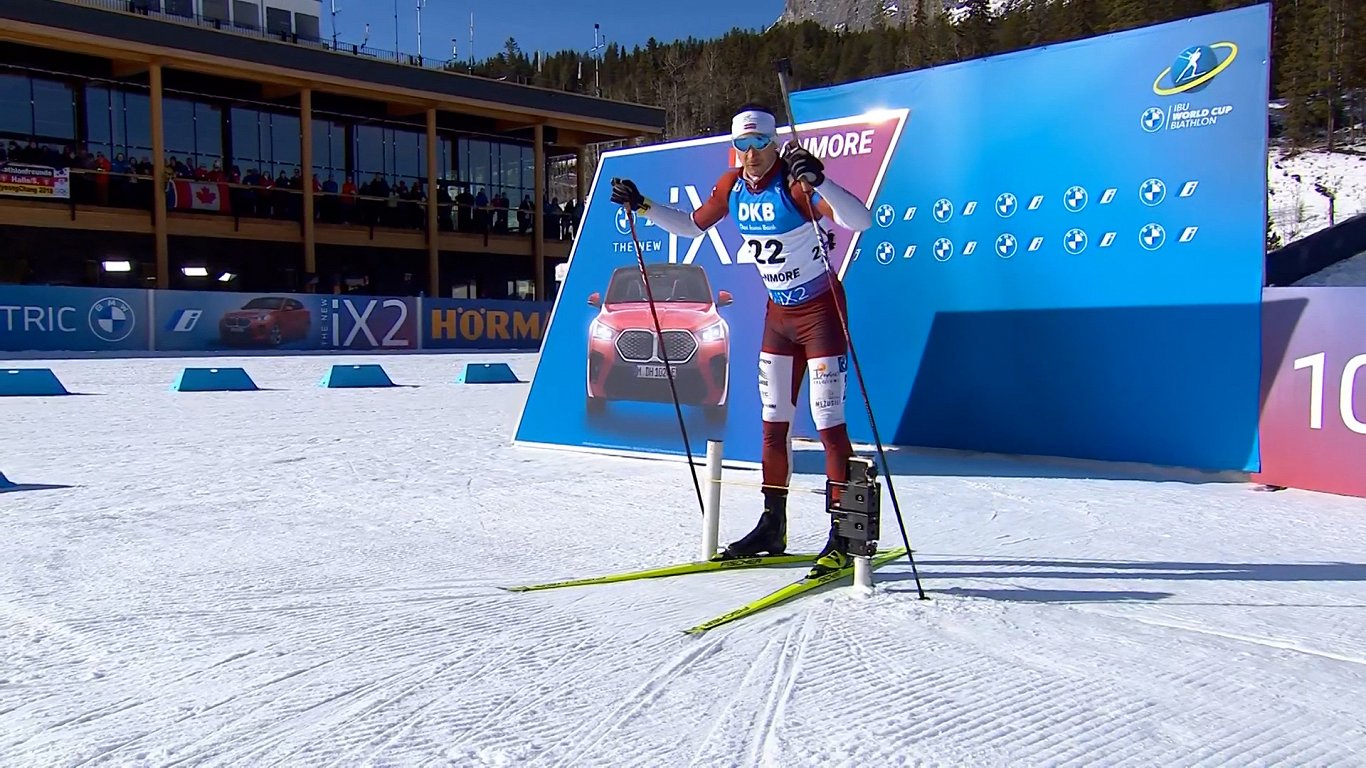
804, 341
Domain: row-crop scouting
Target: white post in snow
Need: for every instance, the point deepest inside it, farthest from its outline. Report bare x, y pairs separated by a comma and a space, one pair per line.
711, 514
863, 574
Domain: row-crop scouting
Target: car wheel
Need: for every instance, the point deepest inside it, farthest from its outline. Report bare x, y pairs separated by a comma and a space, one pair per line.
715, 414
275, 336
596, 405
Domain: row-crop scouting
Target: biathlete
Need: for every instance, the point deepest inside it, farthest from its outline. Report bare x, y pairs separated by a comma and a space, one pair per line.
803, 336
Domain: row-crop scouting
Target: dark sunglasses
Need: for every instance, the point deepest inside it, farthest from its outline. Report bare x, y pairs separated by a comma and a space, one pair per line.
751, 141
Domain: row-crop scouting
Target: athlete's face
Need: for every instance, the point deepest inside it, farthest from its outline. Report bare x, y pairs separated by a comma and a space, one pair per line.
757, 153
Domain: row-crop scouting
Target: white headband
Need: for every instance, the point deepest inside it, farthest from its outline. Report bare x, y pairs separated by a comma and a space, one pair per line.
753, 121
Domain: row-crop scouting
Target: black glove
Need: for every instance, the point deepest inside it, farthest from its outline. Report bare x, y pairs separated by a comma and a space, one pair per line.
804, 165
624, 192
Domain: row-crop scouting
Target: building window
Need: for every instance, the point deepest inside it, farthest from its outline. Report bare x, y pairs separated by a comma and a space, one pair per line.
497, 168
306, 26
216, 10
397, 155
15, 93
329, 152
265, 142
194, 137
246, 14
37, 108
180, 8
278, 21
119, 125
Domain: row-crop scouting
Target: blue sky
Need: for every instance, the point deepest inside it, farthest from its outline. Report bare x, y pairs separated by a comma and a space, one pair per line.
538, 24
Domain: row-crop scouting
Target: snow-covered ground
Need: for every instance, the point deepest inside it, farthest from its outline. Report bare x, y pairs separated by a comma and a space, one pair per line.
301, 576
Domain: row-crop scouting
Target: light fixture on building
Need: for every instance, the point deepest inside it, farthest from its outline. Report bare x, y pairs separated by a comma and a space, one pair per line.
118, 266
226, 277
194, 271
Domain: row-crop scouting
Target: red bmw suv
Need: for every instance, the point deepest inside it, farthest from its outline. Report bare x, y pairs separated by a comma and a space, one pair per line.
626, 356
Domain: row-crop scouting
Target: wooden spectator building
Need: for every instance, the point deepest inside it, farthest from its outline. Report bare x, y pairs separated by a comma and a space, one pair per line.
171, 146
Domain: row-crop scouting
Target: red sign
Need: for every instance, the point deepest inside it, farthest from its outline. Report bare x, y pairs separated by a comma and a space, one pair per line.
1313, 422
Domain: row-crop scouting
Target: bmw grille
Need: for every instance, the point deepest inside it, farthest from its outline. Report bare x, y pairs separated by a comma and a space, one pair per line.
638, 346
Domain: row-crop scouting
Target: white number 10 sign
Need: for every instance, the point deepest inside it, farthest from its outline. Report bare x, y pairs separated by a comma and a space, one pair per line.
1315, 364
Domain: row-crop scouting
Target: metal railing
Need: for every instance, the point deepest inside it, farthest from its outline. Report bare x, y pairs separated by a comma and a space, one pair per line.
133, 191
152, 9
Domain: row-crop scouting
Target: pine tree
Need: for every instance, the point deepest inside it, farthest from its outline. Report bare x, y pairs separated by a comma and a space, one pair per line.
975, 30
1318, 56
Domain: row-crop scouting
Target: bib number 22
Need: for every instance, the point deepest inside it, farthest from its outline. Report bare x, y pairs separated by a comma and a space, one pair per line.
766, 251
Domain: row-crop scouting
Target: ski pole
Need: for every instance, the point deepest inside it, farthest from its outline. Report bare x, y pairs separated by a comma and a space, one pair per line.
784, 67
664, 355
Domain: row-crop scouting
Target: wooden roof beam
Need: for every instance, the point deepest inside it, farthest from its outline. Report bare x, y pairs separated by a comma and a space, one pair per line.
280, 91
123, 70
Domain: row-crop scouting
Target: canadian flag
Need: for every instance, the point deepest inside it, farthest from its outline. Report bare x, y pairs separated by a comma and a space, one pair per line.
198, 196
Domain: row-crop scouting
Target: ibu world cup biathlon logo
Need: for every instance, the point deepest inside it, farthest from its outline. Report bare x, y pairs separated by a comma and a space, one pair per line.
112, 319
1194, 68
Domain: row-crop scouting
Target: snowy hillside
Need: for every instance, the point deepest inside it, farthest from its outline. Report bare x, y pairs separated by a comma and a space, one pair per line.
1297, 205
302, 576
864, 14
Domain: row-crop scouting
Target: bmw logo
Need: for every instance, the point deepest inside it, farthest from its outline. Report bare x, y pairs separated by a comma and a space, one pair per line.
623, 224
943, 249
1075, 198
112, 319
1152, 236
1152, 120
1152, 191
943, 210
885, 252
886, 214
1006, 204
1074, 241
1006, 245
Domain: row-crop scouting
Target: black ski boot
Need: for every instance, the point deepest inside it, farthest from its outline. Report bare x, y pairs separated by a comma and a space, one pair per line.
833, 557
768, 537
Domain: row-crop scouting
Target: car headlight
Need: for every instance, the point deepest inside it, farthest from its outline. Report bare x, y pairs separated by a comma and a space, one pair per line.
714, 332
602, 332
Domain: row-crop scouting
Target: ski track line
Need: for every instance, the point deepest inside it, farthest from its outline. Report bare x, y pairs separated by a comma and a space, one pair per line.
769, 717
643, 694
1180, 702
510, 707
361, 711
383, 740
166, 690
750, 680
1266, 642
283, 730
254, 689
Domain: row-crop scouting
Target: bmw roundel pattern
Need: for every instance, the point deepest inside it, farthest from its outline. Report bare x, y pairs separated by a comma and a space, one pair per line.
1152, 192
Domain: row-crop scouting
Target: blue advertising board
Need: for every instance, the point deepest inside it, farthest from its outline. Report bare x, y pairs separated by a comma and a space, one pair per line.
596, 386
1066, 259
483, 323
1074, 247
45, 318
204, 320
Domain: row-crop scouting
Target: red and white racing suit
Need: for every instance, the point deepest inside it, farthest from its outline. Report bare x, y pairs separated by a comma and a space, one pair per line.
803, 335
